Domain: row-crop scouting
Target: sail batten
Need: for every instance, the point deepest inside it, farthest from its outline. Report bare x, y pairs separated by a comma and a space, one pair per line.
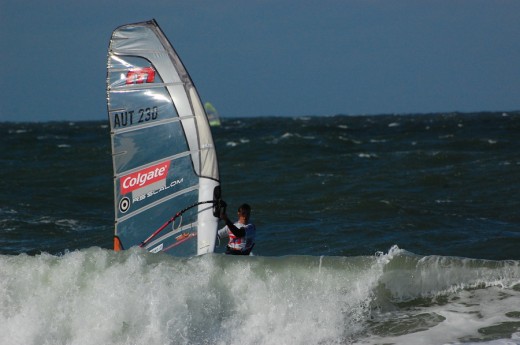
140, 87
163, 155
158, 123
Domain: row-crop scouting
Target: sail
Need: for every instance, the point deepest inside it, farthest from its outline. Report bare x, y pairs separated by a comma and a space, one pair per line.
213, 116
164, 159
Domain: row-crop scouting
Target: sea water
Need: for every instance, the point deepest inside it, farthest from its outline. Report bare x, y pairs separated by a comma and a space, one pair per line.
371, 230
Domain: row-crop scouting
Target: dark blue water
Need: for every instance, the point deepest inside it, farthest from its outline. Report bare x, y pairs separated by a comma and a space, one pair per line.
331, 197
434, 184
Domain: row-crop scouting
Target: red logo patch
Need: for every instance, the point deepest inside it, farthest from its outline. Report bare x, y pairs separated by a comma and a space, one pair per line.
144, 177
140, 76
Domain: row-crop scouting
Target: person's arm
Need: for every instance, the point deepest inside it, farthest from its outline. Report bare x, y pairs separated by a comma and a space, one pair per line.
238, 232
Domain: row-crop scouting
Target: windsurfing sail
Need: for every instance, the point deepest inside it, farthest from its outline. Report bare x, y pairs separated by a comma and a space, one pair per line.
213, 116
164, 158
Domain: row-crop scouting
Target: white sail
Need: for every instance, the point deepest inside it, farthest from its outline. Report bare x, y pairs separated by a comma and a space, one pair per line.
164, 158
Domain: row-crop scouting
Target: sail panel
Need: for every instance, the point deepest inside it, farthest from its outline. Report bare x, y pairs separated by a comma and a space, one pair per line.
150, 144
131, 230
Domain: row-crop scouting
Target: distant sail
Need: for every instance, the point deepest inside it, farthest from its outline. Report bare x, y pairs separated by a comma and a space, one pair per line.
164, 158
213, 116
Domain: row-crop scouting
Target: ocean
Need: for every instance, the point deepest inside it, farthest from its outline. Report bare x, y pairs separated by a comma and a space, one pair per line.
389, 229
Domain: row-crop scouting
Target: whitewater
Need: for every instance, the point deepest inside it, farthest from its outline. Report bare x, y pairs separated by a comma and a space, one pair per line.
96, 296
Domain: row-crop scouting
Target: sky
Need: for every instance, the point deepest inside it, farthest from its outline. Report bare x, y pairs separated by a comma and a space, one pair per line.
271, 58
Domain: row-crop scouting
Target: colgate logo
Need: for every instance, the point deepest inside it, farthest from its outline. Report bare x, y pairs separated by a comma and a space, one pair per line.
144, 177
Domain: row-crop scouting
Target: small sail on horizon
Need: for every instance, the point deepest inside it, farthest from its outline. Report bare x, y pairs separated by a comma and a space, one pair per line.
213, 116
164, 158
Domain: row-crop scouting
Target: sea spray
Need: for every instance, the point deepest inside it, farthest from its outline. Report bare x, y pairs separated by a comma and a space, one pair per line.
97, 296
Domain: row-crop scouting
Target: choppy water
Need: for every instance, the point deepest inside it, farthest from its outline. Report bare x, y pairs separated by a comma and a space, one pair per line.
331, 198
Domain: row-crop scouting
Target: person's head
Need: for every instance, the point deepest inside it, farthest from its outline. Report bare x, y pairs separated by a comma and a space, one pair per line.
244, 211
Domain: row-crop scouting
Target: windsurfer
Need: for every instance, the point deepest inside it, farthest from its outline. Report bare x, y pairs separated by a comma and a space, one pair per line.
241, 234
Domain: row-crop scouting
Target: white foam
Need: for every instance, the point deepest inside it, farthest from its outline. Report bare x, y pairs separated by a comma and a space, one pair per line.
468, 299
367, 155
465, 320
96, 296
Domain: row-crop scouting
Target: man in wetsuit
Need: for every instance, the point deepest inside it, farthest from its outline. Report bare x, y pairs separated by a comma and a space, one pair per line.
241, 234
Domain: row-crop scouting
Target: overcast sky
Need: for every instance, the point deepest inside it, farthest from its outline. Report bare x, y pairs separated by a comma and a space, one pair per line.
257, 58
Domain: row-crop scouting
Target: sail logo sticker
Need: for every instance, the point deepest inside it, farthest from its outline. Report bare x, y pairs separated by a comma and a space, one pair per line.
140, 76
124, 205
157, 249
145, 177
